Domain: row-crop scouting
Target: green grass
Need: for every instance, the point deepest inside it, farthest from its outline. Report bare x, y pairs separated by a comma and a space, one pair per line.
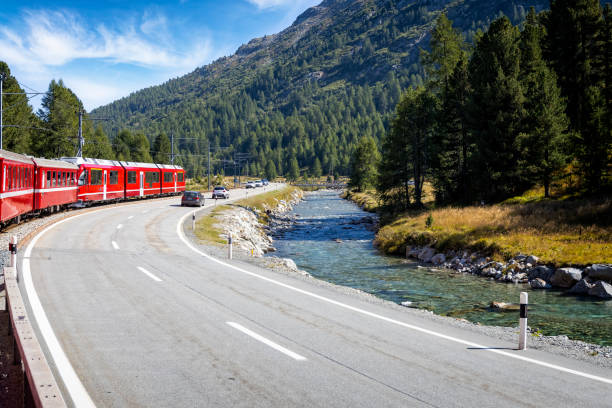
207, 230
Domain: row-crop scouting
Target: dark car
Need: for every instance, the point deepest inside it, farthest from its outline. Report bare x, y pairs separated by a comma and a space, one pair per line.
192, 198
220, 192
265, 182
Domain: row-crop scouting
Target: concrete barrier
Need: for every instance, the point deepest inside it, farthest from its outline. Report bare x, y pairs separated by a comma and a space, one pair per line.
40, 387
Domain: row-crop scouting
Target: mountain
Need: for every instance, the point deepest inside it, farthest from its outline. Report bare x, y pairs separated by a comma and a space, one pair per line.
309, 92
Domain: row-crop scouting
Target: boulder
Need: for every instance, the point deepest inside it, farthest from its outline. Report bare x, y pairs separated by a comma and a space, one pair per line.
289, 263
602, 290
503, 306
600, 272
541, 272
413, 252
566, 277
426, 254
581, 288
538, 283
532, 259
438, 259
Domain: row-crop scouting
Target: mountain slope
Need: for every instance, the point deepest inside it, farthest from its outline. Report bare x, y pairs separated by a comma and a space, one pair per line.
309, 91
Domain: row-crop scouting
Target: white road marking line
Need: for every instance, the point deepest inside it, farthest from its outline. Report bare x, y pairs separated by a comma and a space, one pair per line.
115, 245
119, 226
130, 217
179, 232
267, 342
145, 211
78, 393
149, 274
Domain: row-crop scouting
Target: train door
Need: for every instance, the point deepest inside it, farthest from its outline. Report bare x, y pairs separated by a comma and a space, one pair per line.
104, 186
141, 183
175, 177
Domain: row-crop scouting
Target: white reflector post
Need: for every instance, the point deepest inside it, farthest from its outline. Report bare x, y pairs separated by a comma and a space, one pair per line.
523, 322
229, 249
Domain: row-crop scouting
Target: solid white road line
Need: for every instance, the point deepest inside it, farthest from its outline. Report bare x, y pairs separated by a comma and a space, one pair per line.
179, 231
149, 274
267, 342
115, 246
71, 381
130, 217
119, 226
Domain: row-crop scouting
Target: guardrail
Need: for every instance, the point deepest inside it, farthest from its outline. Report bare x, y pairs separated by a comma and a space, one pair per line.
40, 388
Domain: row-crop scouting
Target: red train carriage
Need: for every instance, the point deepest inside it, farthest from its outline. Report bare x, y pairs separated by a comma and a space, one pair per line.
17, 191
55, 184
142, 179
98, 179
172, 179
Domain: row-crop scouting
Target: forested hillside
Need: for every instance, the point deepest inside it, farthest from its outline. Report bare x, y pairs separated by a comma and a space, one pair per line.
308, 93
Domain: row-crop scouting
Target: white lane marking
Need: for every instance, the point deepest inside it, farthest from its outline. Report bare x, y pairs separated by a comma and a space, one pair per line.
267, 342
149, 274
119, 226
145, 211
179, 231
71, 381
130, 217
115, 245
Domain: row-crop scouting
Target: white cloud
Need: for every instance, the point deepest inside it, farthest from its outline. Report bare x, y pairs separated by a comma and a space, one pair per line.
266, 4
56, 38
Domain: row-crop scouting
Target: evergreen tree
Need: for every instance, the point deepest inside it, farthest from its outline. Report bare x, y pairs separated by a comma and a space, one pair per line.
271, 173
18, 119
98, 146
294, 170
161, 149
317, 171
122, 146
59, 113
544, 140
140, 148
364, 164
496, 111
575, 47
406, 149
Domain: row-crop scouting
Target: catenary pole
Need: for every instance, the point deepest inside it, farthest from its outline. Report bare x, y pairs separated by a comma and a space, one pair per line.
1, 123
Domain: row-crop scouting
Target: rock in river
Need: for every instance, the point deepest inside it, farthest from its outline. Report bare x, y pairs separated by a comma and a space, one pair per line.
581, 288
538, 283
600, 272
566, 277
602, 290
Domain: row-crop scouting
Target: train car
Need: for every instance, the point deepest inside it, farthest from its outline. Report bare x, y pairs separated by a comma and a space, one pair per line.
172, 179
98, 180
17, 190
142, 179
55, 184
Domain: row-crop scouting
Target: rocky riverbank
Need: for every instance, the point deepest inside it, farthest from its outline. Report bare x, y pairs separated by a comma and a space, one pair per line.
594, 280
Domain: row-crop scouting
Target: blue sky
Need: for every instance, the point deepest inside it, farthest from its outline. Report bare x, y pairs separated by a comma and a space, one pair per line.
105, 50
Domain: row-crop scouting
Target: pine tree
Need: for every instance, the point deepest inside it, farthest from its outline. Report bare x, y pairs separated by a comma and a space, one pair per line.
317, 171
122, 146
98, 145
19, 122
161, 149
294, 170
496, 111
544, 139
364, 164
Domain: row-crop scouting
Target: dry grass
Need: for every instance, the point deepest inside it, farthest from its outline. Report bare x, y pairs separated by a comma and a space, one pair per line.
267, 200
367, 200
206, 229
559, 232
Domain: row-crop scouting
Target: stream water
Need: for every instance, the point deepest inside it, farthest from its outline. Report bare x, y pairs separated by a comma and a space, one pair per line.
329, 242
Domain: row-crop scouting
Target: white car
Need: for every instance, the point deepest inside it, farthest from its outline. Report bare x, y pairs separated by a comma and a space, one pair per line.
220, 192
258, 183
250, 184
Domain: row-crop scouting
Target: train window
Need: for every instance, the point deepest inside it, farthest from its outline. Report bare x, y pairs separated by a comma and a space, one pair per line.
8, 178
148, 177
156, 177
48, 179
96, 177
83, 178
14, 177
180, 177
168, 177
113, 177
131, 177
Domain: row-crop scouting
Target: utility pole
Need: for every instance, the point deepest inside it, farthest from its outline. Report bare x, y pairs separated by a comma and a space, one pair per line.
81, 141
1, 123
209, 164
172, 144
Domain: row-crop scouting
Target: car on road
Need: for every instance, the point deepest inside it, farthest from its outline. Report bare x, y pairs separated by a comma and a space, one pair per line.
250, 184
192, 198
220, 192
265, 182
258, 183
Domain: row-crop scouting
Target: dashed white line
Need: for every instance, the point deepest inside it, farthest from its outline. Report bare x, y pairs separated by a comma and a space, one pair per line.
267, 342
130, 217
115, 246
149, 274
119, 226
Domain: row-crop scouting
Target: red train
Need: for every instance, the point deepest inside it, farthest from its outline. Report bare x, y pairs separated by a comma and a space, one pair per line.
33, 185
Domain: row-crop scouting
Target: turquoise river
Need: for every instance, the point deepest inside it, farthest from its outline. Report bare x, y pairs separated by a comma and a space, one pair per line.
328, 241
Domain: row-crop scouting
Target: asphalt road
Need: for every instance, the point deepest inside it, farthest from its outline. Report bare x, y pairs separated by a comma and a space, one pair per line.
137, 316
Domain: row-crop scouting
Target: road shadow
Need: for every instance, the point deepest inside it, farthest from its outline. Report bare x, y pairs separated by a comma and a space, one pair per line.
492, 348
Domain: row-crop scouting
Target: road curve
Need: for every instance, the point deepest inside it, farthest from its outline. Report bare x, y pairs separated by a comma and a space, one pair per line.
145, 319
